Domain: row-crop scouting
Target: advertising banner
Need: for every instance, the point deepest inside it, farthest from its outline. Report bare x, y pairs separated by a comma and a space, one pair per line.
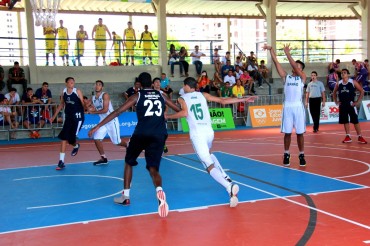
267, 115
222, 118
365, 110
329, 113
127, 122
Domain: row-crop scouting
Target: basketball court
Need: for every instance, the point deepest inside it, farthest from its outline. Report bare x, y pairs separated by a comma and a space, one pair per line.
324, 203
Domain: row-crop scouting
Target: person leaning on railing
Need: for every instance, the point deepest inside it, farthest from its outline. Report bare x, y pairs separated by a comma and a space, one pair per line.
33, 119
7, 117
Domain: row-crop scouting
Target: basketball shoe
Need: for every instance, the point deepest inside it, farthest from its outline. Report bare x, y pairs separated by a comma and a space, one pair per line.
286, 160
361, 140
234, 195
347, 139
162, 204
302, 161
123, 200
102, 161
60, 165
75, 150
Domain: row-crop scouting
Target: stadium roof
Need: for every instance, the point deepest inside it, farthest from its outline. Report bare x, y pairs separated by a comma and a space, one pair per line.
286, 9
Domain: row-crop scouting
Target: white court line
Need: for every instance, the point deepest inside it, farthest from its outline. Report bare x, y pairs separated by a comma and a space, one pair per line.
367, 241
71, 203
286, 199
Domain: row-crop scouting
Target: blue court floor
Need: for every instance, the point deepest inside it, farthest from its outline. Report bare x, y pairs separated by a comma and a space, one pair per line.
35, 197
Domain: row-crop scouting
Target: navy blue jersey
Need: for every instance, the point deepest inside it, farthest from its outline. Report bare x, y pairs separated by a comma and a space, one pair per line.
346, 92
150, 108
73, 106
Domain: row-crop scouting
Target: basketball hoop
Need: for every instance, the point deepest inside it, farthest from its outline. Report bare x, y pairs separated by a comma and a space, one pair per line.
45, 15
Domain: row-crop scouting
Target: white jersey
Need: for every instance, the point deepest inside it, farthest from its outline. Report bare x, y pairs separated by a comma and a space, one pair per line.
293, 89
198, 113
99, 105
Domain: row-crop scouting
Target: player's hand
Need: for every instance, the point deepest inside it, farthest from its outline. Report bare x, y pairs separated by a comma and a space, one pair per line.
286, 48
92, 131
266, 47
251, 99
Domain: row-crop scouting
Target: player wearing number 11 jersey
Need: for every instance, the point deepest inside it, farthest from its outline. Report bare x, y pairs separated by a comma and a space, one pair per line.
72, 101
195, 108
150, 135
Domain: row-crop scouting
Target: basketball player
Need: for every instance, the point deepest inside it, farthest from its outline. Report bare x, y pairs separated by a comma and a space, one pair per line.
147, 38
81, 36
293, 109
346, 89
63, 42
71, 100
150, 135
102, 106
100, 40
194, 107
129, 39
49, 33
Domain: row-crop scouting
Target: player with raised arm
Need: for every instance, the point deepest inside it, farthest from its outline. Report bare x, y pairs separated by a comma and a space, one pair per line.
150, 135
195, 108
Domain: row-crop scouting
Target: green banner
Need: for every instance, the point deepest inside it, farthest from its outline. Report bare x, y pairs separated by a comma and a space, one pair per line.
222, 118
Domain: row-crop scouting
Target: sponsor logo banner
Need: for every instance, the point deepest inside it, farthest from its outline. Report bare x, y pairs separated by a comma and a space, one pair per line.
127, 122
221, 118
268, 115
329, 113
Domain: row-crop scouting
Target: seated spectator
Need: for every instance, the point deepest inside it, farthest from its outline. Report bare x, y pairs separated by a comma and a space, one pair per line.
132, 90
225, 68
361, 74
262, 69
16, 76
2, 83
226, 58
182, 59
44, 94
14, 99
332, 79
173, 59
251, 59
335, 65
238, 72
196, 55
254, 73
238, 89
203, 82
32, 117
7, 117
165, 85
216, 60
226, 90
216, 83
238, 62
247, 83
230, 78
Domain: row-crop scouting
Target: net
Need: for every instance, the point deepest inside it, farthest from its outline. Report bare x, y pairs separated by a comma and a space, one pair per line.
45, 13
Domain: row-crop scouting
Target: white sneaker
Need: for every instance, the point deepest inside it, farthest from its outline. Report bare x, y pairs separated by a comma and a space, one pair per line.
123, 200
261, 87
162, 206
104, 63
234, 195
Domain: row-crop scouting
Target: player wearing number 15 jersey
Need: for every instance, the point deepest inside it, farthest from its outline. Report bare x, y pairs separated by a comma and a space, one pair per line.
150, 135
72, 101
195, 108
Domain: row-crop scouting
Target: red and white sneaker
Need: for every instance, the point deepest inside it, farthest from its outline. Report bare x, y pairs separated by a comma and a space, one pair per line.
162, 204
347, 139
361, 140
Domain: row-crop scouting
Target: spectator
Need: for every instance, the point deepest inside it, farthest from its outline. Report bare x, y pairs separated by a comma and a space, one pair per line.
332, 79
315, 95
230, 78
203, 82
132, 90
44, 94
226, 58
49, 33
226, 90
81, 36
216, 60
100, 30
118, 47
335, 65
129, 39
247, 83
225, 68
33, 118
196, 55
254, 73
6, 116
165, 85
251, 59
238, 62
173, 57
262, 69
238, 72
361, 74
147, 39
63, 42
2, 82
16, 76
238, 89
182, 56
215, 84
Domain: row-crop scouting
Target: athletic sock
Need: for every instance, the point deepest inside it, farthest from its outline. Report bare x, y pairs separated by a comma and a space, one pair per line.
286, 151
126, 192
218, 165
158, 188
103, 155
217, 175
61, 156
76, 146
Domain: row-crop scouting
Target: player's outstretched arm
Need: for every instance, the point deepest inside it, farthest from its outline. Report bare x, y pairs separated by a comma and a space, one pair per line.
282, 73
183, 112
292, 62
228, 100
171, 104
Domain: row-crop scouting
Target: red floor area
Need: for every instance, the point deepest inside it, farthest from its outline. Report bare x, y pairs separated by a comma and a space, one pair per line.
343, 218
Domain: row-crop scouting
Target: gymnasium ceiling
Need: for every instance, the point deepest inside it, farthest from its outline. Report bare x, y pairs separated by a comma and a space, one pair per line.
286, 9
